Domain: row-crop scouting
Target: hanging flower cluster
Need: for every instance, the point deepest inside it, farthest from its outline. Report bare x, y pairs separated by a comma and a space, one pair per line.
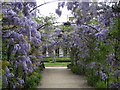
94, 43
21, 43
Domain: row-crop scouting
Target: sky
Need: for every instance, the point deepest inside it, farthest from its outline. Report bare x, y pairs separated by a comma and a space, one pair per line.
50, 8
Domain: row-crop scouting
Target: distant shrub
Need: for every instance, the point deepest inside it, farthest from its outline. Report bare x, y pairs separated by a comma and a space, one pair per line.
76, 70
92, 79
63, 60
47, 59
57, 59
101, 84
33, 80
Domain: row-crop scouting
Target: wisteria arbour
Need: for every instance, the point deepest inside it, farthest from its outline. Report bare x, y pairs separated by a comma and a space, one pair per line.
92, 39
94, 42
21, 40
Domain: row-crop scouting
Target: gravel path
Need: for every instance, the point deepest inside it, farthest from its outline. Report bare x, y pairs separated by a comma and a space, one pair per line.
61, 77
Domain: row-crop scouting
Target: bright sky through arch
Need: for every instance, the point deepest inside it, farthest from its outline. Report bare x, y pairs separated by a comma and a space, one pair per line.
50, 8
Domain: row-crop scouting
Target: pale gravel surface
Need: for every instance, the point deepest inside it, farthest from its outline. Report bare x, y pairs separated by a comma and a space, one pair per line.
61, 77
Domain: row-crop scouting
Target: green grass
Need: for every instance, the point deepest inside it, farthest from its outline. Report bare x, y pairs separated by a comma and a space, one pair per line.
55, 64
63, 60
57, 59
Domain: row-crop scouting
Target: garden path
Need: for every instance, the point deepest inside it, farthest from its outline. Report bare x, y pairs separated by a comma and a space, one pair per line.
61, 77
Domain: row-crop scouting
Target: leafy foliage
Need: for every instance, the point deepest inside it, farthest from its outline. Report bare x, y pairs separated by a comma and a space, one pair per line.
57, 59
94, 41
91, 37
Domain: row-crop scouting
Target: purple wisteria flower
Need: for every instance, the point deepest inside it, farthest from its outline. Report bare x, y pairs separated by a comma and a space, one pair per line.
35, 68
115, 85
16, 48
14, 35
5, 80
7, 70
4, 11
21, 81
58, 12
69, 5
30, 70
11, 12
110, 58
33, 57
24, 65
97, 49
7, 34
117, 73
18, 5
103, 76
91, 65
97, 72
38, 35
10, 75
36, 41
16, 64
20, 37
80, 64
11, 41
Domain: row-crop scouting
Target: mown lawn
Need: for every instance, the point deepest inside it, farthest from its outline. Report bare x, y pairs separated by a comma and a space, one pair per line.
55, 64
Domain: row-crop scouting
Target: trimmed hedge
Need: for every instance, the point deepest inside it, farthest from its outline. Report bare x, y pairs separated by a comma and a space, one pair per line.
63, 60
47, 59
57, 60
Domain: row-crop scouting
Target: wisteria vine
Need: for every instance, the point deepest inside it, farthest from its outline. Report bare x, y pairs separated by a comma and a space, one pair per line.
93, 41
